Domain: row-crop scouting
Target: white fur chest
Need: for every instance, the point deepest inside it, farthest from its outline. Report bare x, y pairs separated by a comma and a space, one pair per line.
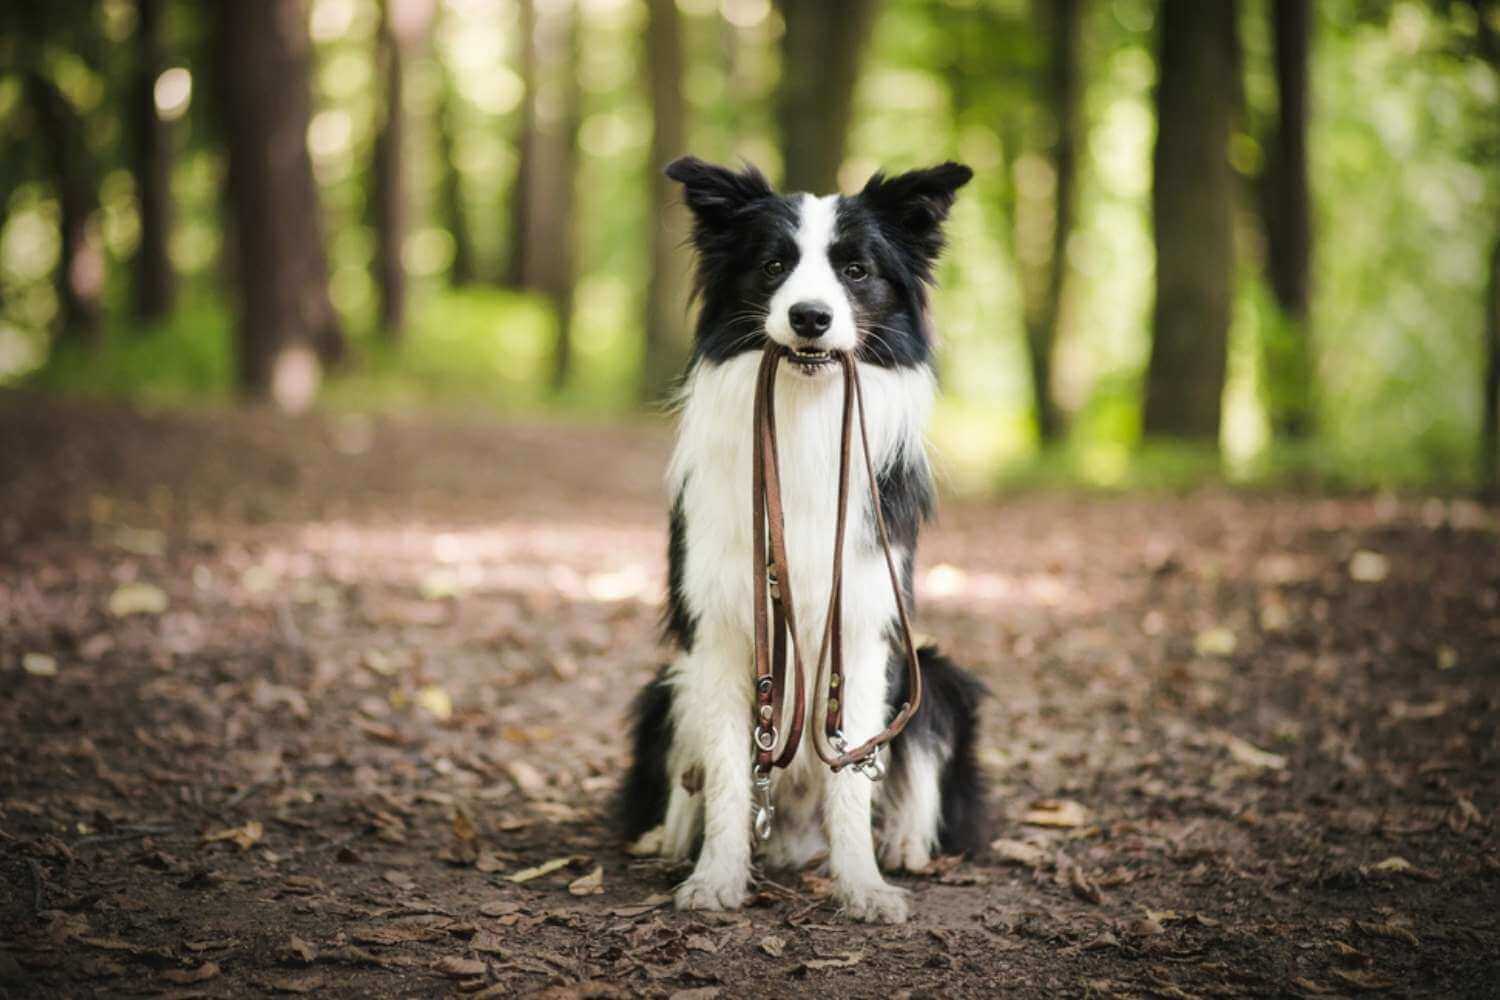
711, 470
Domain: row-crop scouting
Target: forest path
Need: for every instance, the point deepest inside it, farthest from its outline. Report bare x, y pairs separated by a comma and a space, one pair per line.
290, 707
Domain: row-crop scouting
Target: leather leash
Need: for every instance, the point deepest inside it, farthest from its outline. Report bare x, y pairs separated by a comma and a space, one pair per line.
775, 614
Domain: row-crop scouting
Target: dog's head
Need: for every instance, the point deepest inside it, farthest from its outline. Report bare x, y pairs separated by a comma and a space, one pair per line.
816, 274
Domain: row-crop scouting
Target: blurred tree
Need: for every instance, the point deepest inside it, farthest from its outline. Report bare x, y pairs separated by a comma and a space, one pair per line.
821, 52
1062, 101
521, 200
1192, 199
1487, 36
81, 262
287, 324
543, 242
46, 38
666, 297
1286, 207
403, 23
151, 164
452, 214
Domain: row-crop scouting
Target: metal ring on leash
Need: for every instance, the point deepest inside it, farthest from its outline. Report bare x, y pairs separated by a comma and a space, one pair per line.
766, 737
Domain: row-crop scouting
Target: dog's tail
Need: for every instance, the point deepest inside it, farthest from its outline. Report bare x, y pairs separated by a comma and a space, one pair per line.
949, 719
642, 802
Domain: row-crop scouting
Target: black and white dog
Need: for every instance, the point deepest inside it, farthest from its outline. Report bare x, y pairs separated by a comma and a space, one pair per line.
816, 275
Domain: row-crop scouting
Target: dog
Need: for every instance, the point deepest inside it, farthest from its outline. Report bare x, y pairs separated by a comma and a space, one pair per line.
814, 275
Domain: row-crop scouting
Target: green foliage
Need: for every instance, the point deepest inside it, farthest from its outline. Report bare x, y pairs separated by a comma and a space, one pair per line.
186, 359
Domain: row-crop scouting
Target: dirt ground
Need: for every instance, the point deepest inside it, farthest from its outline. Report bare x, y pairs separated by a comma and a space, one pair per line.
334, 707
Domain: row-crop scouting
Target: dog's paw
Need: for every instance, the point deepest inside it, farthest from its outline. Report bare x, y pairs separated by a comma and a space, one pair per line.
703, 892
906, 854
874, 903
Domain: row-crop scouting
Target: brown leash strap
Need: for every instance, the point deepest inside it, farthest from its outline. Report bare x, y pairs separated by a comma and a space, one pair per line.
775, 617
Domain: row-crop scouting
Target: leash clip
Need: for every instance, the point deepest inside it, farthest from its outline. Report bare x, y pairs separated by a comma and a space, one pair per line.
765, 812
872, 765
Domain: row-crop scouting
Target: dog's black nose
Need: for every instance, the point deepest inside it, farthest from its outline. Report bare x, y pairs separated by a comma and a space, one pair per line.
810, 319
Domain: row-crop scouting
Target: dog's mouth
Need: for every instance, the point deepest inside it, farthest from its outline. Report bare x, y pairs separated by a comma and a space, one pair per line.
810, 361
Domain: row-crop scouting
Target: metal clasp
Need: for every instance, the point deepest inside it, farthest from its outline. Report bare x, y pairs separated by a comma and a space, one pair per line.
872, 765
765, 812
766, 737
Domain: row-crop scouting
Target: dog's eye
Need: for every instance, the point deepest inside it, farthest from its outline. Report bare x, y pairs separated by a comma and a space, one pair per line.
773, 268
855, 272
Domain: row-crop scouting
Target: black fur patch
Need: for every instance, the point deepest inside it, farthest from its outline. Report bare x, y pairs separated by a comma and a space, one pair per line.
679, 625
906, 501
949, 717
642, 802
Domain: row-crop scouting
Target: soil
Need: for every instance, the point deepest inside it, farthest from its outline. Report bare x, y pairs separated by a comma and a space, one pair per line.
334, 706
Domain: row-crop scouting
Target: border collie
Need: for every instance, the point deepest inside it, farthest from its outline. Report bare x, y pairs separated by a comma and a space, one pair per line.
814, 275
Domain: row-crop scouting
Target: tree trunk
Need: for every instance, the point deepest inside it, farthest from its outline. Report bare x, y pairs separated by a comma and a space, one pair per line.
1490, 434
554, 247
1192, 211
388, 176
526, 143
820, 60
666, 294
81, 262
286, 323
151, 162
1287, 210
463, 270
1063, 100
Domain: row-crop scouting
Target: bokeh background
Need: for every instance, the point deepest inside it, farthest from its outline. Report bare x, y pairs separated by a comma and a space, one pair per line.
1257, 240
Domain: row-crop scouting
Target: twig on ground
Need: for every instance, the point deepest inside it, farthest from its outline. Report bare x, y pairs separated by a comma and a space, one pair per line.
125, 833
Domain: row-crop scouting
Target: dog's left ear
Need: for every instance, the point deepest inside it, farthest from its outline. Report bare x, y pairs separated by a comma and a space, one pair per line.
914, 205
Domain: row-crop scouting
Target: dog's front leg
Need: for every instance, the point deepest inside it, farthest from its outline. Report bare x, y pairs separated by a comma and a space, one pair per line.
713, 718
857, 883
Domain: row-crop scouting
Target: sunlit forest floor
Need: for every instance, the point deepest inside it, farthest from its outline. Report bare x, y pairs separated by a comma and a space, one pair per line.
335, 706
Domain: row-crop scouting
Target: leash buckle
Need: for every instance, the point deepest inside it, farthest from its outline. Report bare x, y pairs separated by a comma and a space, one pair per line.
765, 812
765, 738
873, 766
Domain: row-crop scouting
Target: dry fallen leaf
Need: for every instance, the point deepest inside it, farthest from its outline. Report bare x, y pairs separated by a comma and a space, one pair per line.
1019, 852
1082, 887
460, 968
701, 942
301, 950
646, 905
1364, 980
537, 871
842, 960
1250, 755
1369, 567
1390, 931
436, 701
1064, 813
773, 945
203, 973
1216, 641
531, 782
246, 836
39, 665
591, 884
137, 598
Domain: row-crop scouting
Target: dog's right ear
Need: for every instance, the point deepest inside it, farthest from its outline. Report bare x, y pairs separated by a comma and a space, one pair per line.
716, 194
